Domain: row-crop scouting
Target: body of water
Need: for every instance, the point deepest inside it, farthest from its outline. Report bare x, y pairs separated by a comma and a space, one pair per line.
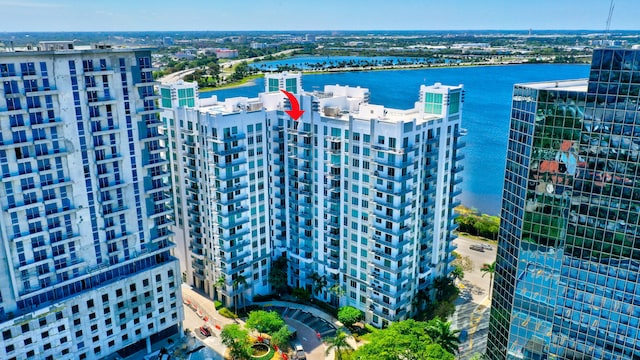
327, 62
486, 111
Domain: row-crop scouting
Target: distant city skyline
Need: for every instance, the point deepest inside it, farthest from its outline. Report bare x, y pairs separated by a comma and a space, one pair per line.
163, 15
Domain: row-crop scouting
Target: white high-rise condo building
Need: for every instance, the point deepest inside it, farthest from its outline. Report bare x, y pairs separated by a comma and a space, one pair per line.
357, 197
85, 216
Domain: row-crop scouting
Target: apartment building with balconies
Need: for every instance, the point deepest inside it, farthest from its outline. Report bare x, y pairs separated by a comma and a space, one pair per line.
358, 195
85, 210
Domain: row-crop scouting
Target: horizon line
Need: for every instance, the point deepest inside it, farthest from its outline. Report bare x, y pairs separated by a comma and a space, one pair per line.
307, 30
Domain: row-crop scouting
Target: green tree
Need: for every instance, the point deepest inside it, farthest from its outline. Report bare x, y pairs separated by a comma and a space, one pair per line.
237, 340
464, 262
477, 356
441, 333
457, 273
281, 337
319, 283
407, 340
301, 294
337, 343
219, 284
278, 275
488, 226
239, 283
265, 321
466, 223
489, 269
349, 315
241, 71
435, 352
338, 291
442, 284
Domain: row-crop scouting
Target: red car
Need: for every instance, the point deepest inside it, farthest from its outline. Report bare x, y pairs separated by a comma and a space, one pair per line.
204, 331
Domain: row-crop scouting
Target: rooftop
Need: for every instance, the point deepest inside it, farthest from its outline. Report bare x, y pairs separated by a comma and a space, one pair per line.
579, 85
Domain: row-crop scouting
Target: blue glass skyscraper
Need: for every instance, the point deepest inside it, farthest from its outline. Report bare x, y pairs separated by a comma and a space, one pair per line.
567, 278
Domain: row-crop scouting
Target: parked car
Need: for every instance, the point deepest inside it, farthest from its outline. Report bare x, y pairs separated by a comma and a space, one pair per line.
204, 331
477, 247
487, 247
300, 354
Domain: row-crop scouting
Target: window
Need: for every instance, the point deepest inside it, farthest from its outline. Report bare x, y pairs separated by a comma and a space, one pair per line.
433, 103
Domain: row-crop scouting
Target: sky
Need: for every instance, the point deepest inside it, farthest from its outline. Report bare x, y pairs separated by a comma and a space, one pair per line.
230, 15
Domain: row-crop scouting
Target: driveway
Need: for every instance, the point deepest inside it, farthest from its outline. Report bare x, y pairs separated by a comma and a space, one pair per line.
313, 346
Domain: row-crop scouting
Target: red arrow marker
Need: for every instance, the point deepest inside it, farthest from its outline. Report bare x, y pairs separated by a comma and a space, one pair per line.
295, 111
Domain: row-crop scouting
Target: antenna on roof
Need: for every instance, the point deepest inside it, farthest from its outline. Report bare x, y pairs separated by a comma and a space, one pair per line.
606, 30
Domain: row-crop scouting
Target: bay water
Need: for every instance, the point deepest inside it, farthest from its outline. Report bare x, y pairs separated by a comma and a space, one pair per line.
486, 110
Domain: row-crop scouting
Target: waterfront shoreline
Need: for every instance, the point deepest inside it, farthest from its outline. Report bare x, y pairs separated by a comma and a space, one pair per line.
251, 80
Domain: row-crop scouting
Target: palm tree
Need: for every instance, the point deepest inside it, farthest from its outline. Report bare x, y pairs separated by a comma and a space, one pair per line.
489, 269
219, 284
457, 273
440, 284
240, 281
441, 333
319, 283
337, 343
422, 297
338, 291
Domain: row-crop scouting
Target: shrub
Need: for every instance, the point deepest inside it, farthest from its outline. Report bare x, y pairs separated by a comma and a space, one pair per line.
326, 307
301, 294
261, 298
217, 304
227, 313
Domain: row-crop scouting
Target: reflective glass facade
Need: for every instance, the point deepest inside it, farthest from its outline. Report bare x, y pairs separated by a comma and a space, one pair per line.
566, 284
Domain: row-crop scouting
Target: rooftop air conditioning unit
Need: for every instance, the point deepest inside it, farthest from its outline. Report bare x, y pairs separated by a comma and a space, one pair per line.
331, 111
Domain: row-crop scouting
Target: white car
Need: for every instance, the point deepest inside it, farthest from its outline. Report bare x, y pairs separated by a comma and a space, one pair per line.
300, 354
487, 247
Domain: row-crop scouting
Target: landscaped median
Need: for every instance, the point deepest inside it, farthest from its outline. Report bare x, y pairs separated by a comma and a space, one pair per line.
270, 339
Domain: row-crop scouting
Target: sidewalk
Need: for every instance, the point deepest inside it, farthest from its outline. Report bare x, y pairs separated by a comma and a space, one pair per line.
199, 310
204, 308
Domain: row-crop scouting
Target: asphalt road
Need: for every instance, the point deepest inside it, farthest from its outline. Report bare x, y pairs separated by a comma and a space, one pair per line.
174, 77
473, 305
313, 346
